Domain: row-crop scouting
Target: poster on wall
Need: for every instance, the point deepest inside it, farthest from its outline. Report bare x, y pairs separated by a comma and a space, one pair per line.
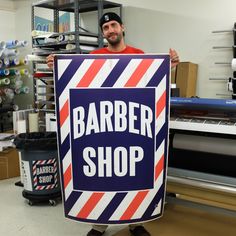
43, 24
112, 114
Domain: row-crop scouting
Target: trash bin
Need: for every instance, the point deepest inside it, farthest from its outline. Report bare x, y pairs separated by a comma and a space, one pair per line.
39, 166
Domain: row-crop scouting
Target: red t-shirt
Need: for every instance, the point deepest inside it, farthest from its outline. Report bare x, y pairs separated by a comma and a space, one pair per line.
127, 50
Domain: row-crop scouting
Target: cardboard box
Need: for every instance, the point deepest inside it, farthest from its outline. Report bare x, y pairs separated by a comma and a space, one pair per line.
186, 78
9, 163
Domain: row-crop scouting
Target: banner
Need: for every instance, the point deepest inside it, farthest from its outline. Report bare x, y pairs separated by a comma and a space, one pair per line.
112, 114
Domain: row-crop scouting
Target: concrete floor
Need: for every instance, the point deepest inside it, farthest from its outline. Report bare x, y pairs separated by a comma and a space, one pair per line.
17, 218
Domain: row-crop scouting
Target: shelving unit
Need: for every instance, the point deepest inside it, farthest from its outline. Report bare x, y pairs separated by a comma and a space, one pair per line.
79, 41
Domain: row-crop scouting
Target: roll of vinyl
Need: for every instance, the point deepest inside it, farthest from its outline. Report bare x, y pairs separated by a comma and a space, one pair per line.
71, 37
2, 44
233, 64
11, 43
23, 61
70, 46
14, 72
33, 122
50, 40
205, 144
22, 90
4, 72
10, 52
63, 38
24, 72
14, 62
6, 62
21, 126
23, 43
4, 81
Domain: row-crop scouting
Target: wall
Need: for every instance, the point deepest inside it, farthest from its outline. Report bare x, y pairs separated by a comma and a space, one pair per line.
157, 25
7, 20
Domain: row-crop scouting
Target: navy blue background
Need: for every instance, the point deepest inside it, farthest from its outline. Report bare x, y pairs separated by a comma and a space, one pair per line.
144, 169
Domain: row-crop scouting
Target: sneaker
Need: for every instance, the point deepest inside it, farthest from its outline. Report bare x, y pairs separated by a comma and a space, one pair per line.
139, 231
94, 232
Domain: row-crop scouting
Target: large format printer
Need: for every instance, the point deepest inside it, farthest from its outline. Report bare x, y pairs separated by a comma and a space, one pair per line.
202, 150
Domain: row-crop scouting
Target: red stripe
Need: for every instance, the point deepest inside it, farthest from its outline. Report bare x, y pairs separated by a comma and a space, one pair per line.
138, 73
161, 103
91, 73
84, 82
64, 112
159, 167
90, 205
132, 208
67, 176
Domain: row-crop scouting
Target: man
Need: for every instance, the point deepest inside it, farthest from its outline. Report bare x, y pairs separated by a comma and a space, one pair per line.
113, 31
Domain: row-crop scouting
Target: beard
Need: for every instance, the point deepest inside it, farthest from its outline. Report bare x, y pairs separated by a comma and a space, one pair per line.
114, 40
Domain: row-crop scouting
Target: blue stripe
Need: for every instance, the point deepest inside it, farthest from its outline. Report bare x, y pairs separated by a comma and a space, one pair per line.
159, 196
116, 72
74, 196
68, 74
65, 146
159, 74
112, 206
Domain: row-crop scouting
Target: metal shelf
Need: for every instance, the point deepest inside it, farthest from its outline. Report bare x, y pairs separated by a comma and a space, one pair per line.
69, 5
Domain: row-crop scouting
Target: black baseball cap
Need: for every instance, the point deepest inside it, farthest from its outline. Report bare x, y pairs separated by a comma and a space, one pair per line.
109, 16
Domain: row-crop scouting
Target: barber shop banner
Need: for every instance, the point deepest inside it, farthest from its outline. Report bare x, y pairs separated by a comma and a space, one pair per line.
112, 114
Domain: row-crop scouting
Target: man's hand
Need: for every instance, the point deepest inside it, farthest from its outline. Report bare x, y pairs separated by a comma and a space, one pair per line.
174, 58
50, 61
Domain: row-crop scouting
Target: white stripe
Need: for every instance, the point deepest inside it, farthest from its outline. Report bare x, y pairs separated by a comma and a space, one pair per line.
159, 152
68, 189
150, 72
81, 201
160, 120
127, 73
101, 76
66, 161
123, 205
102, 204
65, 129
148, 199
157, 210
74, 81
161, 88
62, 66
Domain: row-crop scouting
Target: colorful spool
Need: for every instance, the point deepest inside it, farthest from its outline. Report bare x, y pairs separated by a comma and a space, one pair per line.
23, 61
6, 62
4, 81
14, 72
24, 72
4, 72
14, 62
11, 43
10, 52
22, 90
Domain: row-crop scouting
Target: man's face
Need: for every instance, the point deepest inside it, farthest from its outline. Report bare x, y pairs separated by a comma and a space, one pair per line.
113, 32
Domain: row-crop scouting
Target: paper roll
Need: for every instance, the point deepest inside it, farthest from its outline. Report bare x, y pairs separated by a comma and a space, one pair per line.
11, 43
233, 64
33, 122
21, 126
2, 44
70, 46
205, 144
